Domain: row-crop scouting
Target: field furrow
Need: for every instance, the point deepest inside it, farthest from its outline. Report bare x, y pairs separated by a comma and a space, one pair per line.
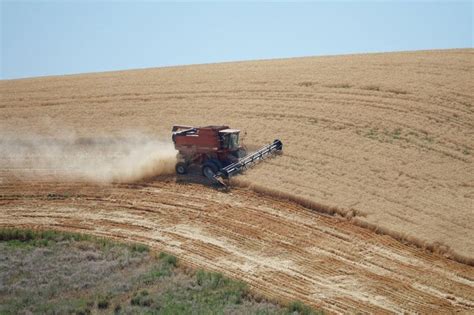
281, 249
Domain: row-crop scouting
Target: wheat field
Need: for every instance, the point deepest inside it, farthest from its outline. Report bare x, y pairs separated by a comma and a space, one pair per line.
386, 140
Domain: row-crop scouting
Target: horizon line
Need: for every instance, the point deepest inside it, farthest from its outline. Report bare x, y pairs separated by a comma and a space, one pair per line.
230, 61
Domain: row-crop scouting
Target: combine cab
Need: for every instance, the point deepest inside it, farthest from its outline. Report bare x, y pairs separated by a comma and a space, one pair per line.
217, 150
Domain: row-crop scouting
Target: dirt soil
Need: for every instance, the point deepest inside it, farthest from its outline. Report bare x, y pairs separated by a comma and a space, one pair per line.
281, 249
385, 141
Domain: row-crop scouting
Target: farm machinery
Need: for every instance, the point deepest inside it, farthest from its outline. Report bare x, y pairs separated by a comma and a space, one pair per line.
217, 151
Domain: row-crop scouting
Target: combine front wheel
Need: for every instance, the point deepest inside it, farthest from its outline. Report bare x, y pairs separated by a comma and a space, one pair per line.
209, 170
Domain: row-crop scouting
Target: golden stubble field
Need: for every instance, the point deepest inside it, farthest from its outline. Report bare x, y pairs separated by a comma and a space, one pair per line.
388, 139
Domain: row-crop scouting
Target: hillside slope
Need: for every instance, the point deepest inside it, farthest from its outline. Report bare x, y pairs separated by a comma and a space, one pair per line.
282, 250
388, 138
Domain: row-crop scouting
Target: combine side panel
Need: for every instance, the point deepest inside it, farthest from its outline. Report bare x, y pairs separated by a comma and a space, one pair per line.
248, 161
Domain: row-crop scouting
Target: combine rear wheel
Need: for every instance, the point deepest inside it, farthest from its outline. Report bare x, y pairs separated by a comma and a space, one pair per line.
181, 168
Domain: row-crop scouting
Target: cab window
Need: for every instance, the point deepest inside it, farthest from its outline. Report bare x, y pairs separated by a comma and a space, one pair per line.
234, 141
230, 141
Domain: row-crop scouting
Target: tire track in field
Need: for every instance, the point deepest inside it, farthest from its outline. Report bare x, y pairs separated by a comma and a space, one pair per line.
281, 249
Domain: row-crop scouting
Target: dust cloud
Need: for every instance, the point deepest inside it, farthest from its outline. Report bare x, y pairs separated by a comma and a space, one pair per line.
100, 159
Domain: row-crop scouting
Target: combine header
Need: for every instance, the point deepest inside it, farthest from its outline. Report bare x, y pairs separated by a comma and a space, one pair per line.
216, 149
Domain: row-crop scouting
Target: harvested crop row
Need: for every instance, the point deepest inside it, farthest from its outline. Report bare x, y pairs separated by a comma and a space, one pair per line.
281, 249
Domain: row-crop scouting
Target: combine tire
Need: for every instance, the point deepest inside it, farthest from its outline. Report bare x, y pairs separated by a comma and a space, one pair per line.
181, 168
217, 163
209, 170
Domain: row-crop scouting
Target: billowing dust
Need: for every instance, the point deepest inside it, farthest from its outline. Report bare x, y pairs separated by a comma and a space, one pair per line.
100, 159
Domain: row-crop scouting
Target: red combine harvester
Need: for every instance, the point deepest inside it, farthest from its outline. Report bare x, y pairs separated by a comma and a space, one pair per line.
216, 149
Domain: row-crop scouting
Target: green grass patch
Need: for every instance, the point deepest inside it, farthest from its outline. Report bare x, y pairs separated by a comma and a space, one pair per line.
395, 134
163, 268
386, 135
142, 298
168, 259
25, 235
50, 272
140, 248
36, 238
298, 307
206, 293
372, 133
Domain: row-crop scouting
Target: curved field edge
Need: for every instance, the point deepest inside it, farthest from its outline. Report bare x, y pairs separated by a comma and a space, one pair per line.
126, 277
357, 219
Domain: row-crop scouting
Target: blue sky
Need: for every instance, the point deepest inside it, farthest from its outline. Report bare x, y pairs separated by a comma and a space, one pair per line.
49, 38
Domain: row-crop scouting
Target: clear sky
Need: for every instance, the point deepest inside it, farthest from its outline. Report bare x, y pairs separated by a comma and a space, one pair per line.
47, 38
